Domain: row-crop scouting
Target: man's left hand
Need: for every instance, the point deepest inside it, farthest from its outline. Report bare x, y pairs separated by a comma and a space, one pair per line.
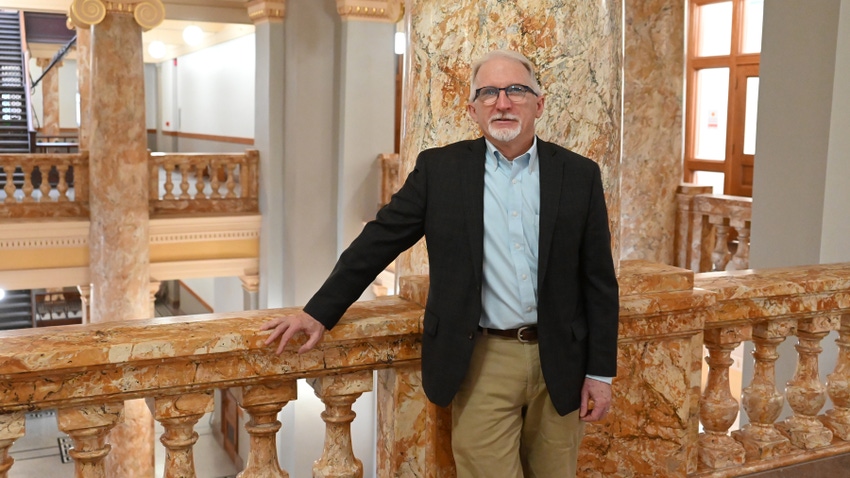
595, 400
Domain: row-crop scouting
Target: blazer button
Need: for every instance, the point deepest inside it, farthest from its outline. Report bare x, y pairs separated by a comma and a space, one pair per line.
471, 336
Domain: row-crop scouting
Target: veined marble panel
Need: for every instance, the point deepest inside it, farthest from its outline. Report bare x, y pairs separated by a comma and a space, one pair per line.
576, 46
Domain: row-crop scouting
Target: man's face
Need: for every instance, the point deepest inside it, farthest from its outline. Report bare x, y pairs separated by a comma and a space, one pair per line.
506, 122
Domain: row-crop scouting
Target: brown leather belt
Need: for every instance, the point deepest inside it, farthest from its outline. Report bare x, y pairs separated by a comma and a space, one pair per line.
525, 334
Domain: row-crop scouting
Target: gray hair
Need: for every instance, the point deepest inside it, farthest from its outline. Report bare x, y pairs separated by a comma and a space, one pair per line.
507, 54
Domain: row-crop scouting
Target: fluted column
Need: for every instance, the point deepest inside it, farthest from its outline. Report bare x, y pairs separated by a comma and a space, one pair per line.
50, 97
582, 83
805, 392
118, 199
178, 415
718, 408
762, 402
338, 393
12, 427
264, 402
838, 385
88, 426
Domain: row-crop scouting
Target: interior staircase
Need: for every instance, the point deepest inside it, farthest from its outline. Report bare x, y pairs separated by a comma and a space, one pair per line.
14, 111
16, 310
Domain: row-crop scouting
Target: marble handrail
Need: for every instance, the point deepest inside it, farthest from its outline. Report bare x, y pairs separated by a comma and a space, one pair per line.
87, 371
48, 185
705, 223
182, 183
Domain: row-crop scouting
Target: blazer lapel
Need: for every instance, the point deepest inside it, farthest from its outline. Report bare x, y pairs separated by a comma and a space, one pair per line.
473, 200
551, 183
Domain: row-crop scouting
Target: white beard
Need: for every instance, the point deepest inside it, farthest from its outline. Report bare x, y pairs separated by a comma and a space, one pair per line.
505, 135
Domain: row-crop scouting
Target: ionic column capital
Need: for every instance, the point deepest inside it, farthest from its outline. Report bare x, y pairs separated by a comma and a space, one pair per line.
148, 13
266, 11
389, 11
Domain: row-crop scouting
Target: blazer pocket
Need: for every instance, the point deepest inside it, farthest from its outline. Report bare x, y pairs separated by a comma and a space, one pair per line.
430, 323
579, 330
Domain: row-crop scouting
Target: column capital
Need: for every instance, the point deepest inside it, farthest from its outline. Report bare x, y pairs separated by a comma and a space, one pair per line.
148, 13
250, 283
266, 10
388, 11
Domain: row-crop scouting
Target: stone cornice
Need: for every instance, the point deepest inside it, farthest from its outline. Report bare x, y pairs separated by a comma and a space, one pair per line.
265, 10
147, 13
389, 11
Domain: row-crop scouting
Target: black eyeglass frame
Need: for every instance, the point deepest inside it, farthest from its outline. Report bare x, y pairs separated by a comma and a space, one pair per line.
522, 88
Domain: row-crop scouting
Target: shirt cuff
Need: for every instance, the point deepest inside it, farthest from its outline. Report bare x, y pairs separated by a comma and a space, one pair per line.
607, 380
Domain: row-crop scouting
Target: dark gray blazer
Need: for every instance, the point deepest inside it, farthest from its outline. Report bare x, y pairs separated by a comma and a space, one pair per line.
443, 199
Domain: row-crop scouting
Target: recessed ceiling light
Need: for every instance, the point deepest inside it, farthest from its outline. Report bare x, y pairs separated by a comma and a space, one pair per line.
193, 35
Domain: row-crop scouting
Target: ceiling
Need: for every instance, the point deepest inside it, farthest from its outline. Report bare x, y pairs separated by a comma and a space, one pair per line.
220, 21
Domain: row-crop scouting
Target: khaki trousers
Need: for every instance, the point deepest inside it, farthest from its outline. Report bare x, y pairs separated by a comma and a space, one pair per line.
504, 424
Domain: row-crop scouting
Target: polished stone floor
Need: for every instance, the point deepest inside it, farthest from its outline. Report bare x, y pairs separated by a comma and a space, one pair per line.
38, 454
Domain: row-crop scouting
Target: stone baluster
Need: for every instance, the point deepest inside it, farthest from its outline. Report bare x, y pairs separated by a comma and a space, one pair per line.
10, 184
28, 187
718, 408
805, 392
62, 185
185, 169
231, 182
338, 394
12, 427
88, 426
720, 255
169, 180
215, 184
44, 187
263, 403
178, 415
761, 401
741, 258
838, 385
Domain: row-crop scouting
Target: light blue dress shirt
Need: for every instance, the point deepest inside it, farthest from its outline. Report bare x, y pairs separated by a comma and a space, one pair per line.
511, 232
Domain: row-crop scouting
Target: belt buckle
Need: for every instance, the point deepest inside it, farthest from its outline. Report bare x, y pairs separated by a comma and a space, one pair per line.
519, 332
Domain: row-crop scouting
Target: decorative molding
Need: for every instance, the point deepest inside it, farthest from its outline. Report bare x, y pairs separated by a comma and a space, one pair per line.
44, 278
265, 10
164, 271
390, 11
45, 235
177, 230
147, 13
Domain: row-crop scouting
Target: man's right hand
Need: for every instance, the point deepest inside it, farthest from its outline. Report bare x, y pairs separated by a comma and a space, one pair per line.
287, 326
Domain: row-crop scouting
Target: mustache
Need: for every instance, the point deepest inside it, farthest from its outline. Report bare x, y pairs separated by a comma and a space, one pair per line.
503, 116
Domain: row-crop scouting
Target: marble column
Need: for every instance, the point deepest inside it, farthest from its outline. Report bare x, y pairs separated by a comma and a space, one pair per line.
653, 87
118, 237
268, 140
84, 81
576, 46
50, 97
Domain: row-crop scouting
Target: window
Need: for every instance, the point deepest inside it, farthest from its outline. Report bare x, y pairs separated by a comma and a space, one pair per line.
722, 95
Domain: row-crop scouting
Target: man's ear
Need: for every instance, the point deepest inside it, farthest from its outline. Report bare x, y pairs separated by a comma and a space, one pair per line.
470, 108
540, 103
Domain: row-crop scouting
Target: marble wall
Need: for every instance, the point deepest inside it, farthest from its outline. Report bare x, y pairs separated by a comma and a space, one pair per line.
577, 50
653, 88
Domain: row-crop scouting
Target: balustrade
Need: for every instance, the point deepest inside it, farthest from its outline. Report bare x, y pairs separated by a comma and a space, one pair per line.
667, 316
713, 231
44, 185
183, 183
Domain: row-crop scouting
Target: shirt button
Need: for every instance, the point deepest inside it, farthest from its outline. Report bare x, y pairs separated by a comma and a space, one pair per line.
513, 181
517, 246
514, 214
524, 277
528, 309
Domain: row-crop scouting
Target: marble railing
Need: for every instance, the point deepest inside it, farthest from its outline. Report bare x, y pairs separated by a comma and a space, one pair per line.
707, 225
44, 185
190, 183
667, 315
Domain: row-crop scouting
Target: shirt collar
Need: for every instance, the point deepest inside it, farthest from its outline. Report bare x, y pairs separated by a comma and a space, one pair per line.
494, 157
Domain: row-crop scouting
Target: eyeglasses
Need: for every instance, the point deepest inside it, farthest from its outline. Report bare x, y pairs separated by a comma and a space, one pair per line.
489, 94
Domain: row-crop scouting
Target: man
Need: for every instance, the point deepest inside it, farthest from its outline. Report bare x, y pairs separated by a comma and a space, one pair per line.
522, 314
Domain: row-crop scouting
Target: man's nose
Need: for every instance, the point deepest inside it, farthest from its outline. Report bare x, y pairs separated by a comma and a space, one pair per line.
502, 101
